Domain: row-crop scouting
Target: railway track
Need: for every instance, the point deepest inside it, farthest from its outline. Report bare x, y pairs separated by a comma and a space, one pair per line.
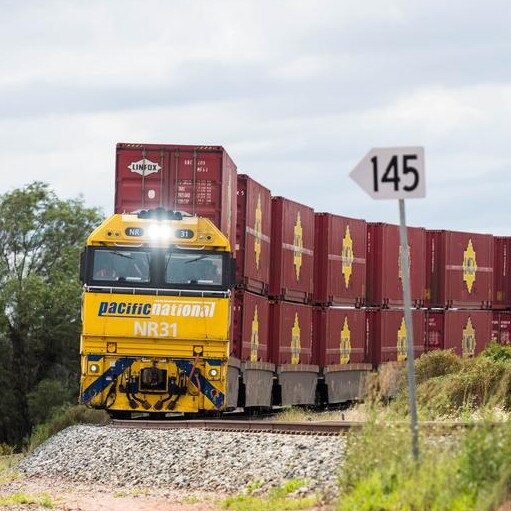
323, 428
326, 428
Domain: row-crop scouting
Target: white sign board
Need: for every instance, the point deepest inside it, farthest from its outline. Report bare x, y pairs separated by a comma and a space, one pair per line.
392, 173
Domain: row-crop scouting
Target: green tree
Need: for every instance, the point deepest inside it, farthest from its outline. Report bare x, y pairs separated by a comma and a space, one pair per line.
41, 237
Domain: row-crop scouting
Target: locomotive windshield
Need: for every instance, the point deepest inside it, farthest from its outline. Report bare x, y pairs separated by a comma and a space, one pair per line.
171, 269
190, 268
121, 266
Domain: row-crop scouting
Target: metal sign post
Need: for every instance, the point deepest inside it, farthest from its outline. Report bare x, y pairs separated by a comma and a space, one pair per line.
398, 173
407, 299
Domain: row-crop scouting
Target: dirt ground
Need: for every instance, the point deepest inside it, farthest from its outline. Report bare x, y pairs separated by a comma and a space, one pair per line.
67, 496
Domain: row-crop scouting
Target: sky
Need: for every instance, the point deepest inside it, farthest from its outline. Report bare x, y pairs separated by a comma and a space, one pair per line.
296, 91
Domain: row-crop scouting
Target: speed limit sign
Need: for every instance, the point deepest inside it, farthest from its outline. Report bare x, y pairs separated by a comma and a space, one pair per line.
392, 173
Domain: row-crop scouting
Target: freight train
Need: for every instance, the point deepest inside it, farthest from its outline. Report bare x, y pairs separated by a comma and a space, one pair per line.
203, 293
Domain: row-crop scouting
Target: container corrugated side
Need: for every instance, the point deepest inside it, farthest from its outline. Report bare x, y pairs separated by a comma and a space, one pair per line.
339, 260
292, 251
251, 315
459, 269
253, 232
290, 335
467, 332
384, 272
339, 336
387, 335
502, 272
434, 330
198, 180
501, 327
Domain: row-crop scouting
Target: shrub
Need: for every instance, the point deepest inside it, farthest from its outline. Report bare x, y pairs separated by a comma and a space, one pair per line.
6, 449
436, 363
497, 352
47, 396
63, 418
447, 385
386, 383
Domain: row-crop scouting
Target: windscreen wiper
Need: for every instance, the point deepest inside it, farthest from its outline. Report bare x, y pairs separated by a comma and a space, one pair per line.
120, 254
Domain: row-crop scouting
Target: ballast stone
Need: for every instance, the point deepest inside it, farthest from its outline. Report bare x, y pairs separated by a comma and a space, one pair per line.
186, 459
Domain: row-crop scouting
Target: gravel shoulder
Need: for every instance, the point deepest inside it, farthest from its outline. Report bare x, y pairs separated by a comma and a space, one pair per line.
96, 468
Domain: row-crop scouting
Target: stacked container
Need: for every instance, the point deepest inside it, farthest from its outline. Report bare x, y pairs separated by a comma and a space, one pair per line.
385, 319
250, 346
387, 331
291, 288
340, 260
292, 251
466, 332
459, 270
384, 272
339, 334
459, 275
197, 180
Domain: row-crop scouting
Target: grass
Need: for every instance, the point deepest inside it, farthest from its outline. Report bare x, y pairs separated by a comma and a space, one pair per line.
8, 472
191, 499
43, 500
469, 471
466, 470
281, 498
299, 414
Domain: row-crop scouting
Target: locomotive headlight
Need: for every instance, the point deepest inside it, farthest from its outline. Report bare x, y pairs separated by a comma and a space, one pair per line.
159, 232
94, 368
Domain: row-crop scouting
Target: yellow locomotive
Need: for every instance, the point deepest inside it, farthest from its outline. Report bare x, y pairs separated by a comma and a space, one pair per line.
156, 315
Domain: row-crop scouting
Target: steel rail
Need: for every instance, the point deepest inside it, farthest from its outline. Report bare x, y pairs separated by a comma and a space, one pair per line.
253, 426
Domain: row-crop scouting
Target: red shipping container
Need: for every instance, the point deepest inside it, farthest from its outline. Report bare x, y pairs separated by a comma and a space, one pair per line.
339, 336
384, 275
292, 251
501, 327
253, 231
198, 180
467, 332
502, 272
339, 260
387, 335
290, 333
251, 314
459, 269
